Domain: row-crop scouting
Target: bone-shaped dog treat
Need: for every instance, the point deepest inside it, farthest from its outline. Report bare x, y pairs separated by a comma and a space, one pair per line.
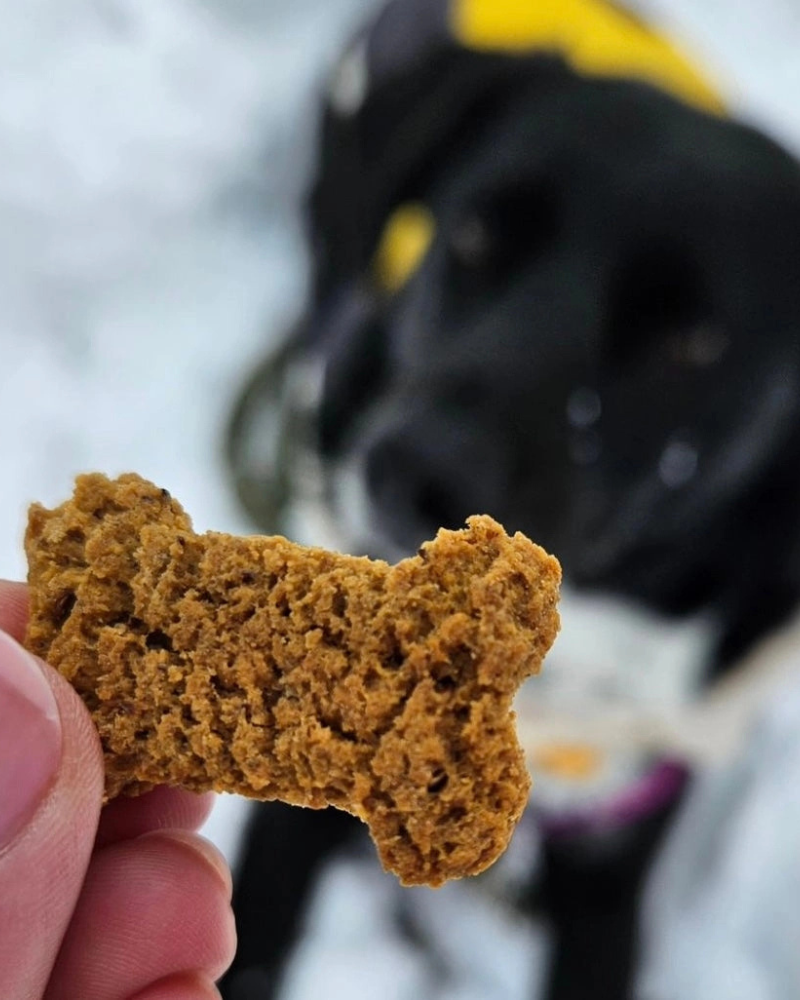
257, 666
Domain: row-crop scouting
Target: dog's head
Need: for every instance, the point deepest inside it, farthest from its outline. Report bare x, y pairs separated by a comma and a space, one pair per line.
570, 300
600, 345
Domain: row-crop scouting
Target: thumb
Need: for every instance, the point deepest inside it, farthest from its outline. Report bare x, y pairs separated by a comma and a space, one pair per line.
51, 781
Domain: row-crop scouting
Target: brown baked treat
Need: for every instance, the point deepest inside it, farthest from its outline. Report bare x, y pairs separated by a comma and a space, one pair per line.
257, 666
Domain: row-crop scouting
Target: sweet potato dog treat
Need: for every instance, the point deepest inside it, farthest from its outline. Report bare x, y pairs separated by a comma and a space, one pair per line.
257, 666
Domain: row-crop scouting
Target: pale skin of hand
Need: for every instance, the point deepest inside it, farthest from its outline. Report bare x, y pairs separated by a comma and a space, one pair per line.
125, 902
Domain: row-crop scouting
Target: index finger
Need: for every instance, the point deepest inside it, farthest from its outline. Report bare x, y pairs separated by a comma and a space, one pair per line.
13, 608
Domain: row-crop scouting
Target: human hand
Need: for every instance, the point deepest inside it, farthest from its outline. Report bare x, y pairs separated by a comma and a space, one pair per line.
123, 903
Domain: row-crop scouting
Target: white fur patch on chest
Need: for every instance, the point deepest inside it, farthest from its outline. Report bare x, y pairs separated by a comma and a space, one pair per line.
609, 697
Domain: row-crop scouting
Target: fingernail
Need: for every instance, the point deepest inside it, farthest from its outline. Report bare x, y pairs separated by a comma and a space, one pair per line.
30, 738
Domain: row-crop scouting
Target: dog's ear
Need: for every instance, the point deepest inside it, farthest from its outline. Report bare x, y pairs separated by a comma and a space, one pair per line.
418, 84
405, 98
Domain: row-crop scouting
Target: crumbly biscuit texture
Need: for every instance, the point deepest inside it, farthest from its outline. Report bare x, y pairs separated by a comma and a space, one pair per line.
258, 666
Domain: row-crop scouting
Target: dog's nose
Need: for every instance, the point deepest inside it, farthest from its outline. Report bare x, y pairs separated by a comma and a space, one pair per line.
410, 491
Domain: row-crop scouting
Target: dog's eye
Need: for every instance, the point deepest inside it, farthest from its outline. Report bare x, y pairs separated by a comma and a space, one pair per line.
510, 226
659, 308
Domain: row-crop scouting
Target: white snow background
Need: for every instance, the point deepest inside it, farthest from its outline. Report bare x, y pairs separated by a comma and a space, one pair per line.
152, 158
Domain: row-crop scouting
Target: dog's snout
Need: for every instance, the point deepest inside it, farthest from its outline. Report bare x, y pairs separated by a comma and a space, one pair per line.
409, 489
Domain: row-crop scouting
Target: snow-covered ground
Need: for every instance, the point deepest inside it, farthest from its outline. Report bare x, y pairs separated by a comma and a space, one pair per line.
152, 154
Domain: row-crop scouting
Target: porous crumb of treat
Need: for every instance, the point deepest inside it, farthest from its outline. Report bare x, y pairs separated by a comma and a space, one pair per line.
257, 666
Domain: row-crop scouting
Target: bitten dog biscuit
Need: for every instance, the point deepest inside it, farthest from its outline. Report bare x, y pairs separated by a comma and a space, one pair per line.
257, 666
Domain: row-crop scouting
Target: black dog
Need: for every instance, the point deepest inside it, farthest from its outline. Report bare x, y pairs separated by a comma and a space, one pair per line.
596, 340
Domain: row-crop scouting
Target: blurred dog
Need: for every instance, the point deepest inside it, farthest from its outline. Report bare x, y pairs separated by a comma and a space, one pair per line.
556, 284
